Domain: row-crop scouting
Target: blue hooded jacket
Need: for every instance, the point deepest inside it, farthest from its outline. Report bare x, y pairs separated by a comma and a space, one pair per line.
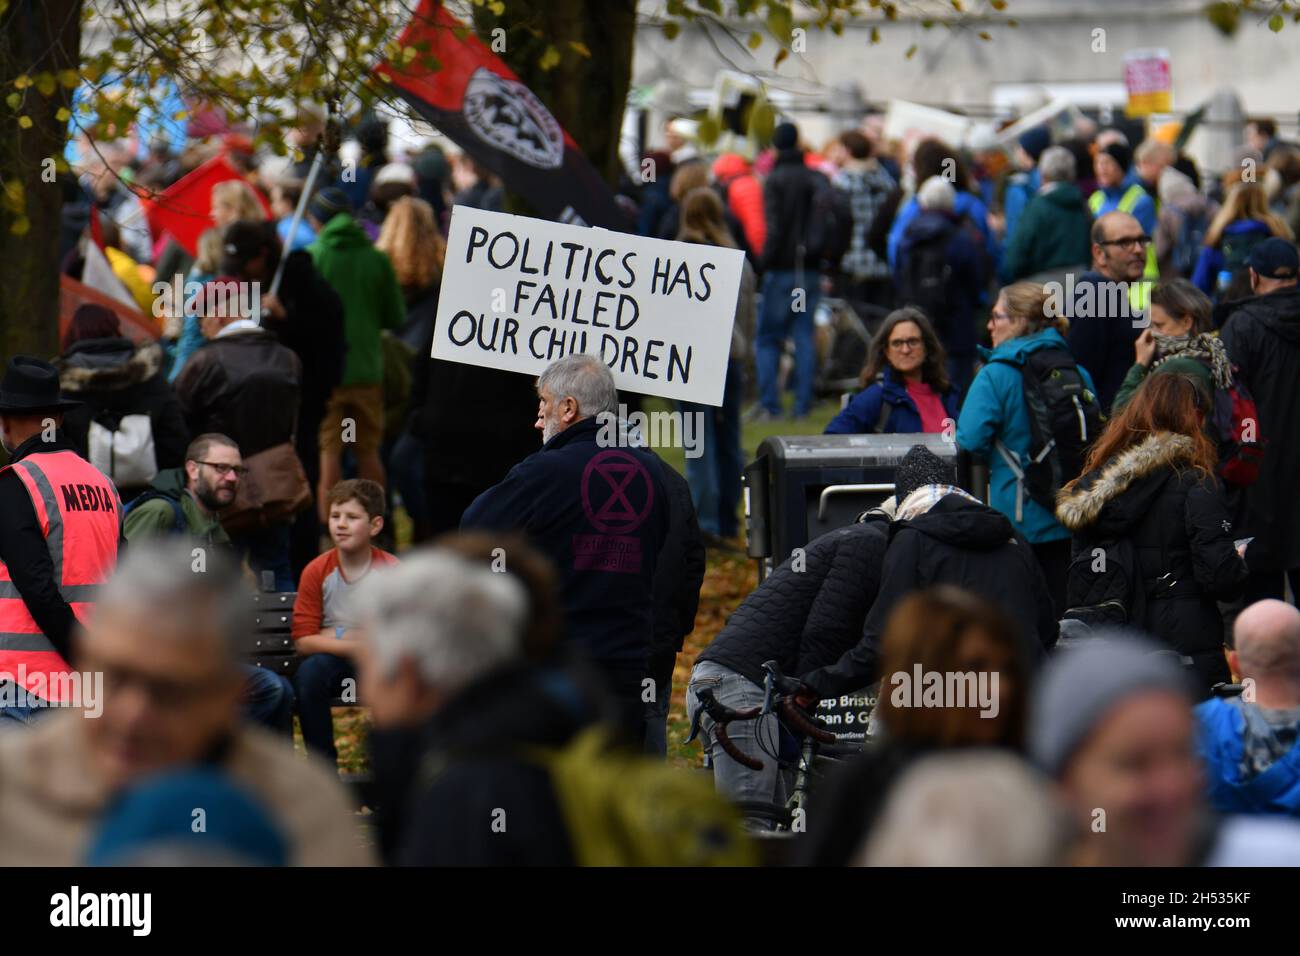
862, 413
994, 411
1222, 724
967, 204
1211, 262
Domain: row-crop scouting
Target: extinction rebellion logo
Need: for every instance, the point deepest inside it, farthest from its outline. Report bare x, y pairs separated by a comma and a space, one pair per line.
617, 495
511, 118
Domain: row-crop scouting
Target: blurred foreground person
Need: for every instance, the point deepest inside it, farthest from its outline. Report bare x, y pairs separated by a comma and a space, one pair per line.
981, 808
942, 631
1111, 722
165, 640
485, 756
1248, 742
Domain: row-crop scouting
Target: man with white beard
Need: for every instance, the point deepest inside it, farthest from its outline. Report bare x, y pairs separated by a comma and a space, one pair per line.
600, 514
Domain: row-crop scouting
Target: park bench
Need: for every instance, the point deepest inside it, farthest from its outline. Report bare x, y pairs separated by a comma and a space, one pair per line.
268, 643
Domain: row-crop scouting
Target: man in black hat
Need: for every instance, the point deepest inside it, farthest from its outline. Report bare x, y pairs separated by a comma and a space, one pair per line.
1262, 336
60, 528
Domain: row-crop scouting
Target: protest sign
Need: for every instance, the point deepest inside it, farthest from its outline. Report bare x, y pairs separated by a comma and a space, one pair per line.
1146, 77
518, 293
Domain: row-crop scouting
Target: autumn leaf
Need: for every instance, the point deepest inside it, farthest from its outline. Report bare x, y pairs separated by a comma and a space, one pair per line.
550, 58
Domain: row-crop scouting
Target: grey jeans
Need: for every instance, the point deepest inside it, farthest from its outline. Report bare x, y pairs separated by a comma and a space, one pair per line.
754, 738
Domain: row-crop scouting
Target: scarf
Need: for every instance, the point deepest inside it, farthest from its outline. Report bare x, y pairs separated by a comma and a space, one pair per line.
926, 497
1205, 347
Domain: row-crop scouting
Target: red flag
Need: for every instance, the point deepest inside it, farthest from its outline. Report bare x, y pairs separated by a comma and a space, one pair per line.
478, 102
135, 325
183, 209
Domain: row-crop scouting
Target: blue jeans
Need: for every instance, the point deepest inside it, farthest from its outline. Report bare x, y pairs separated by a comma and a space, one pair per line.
778, 320
714, 476
268, 699
406, 474
319, 679
755, 738
267, 550
22, 712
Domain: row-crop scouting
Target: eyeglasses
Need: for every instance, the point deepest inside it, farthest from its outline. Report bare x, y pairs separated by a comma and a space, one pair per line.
1127, 241
906, 344
999, 316
239, 470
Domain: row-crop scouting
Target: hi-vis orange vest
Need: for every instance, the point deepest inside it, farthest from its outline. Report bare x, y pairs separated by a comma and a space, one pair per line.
80, 514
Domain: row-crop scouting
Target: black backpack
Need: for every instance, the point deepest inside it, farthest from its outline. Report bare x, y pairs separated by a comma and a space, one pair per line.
829, 232
1064, 420
926, 278
1104, 586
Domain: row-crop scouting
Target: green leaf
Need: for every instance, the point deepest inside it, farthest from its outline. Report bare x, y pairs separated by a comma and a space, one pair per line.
911, 52
45, 84
21, 226
550, 58
780, 22
13, 100
755, 41
25, 122
671, 30
63, 114
1276, 22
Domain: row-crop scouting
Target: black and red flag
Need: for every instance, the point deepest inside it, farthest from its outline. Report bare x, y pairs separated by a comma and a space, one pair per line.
478, 102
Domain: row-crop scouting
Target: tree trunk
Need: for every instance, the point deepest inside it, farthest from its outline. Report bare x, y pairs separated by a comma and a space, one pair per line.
586, 94
35, 37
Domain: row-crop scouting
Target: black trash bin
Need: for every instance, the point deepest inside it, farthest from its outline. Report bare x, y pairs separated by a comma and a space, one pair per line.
800, 487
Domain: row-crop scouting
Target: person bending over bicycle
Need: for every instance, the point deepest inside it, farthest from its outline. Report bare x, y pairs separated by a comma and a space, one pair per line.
804, 615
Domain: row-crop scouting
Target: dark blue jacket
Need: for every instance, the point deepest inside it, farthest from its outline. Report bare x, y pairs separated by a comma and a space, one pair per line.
1276, 790
600, 515
966, 279
862, 413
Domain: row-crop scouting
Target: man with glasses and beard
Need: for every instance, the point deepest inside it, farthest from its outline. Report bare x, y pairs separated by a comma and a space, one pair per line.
186, 501
1107, 305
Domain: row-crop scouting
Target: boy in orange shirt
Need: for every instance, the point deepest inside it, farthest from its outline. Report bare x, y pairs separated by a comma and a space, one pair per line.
321, 620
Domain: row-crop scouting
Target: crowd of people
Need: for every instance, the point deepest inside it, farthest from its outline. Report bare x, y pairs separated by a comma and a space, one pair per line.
1112, 332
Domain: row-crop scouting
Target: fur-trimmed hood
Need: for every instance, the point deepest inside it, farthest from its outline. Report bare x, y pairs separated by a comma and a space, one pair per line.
108, 365
1082, 506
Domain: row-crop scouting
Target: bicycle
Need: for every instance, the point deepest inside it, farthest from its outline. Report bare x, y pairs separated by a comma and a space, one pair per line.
816, 746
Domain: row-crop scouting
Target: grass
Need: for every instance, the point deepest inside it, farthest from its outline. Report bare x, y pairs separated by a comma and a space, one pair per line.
728, 578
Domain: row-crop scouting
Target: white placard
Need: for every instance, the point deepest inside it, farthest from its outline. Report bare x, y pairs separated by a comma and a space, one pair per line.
519, 293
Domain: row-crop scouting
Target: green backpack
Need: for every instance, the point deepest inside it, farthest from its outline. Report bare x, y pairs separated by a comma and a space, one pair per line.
623, 808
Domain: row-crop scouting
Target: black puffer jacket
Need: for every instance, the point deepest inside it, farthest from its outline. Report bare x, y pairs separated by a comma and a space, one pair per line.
959, 542
1262, 336
115, 378
810, 610
1181, 531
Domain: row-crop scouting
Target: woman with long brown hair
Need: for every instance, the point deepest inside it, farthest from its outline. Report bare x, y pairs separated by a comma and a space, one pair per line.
940, 634
905, 382
1243, 221
1149, 503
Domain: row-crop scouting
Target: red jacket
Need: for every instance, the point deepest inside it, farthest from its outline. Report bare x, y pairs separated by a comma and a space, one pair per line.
744, 197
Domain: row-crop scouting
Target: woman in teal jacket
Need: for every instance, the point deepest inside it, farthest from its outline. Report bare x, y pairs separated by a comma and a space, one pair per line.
994, 412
